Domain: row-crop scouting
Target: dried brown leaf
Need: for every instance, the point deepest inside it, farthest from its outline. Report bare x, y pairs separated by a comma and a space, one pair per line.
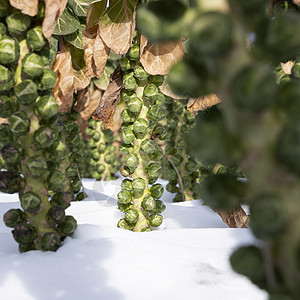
3, 121
236, 218
157, 58
94, 13
287, 67
89, 102
80, 80
64, 87
117, 36
166, 90
203, 103
53, 10
111, 97
27, 7
96, 52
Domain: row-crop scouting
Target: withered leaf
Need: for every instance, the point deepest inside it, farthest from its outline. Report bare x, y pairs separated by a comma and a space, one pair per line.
94, 13
64, 87
157, 58
96, 52
166, 90
53, 10
27, 7
3, 121
203, 103
236, 218
117, 25
111, 97
287, 67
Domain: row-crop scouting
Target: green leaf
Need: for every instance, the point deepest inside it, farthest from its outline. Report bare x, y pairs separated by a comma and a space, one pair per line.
75, 38
77, 55
80, 7
121, 10
67, 23
102, 82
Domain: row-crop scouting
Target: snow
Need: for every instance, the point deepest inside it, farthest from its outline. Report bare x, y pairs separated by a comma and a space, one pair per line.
186, 258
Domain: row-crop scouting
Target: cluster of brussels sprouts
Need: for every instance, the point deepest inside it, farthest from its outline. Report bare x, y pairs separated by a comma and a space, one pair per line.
35, 144
100, 155
142, 156
179, 168
256, 128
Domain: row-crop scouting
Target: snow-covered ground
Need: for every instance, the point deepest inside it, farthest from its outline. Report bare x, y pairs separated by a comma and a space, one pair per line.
186, 259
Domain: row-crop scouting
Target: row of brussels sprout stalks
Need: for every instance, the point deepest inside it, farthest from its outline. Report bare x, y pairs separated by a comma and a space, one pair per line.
100, 159
139, 196
36, 142
179, 168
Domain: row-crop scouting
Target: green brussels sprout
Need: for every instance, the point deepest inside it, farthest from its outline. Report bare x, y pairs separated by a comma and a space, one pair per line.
125, 148
126, 184
5, 134
6, 79
127, 95
140, 126
191, 166
158, 80
178, 197
30, 202
71, 171
186, 181
156, 190
156, 113
68, 226
172, 176
44, 137
135, 104
159, 207
110, 157
129, 82
148, 203
57, 180
74, 115
171, 187
159, 99
155, 220
128, 116
176, 159
128, 136
140, 73
47, 83
125, 171
125, 64
36, 165
150, 91
249, 261
12, 153
62, 199
154, 169
56, 214
24, 233
9, 50
47, 107
148, 147
4, 8
18, 23
32, 65
157, 154
123, 207
10, 182
51, 241
26, 247
124, 224
131, 216
35, 38
134, 52
138, 187
159, 132
95, 154
131, 161
19, 123
124, 197
268, 215
96, 175
8, 106
80, 196
101, 168
12, 217
96, 136
26, 92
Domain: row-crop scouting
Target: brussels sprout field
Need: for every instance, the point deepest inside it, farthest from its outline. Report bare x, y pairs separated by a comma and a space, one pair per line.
202, 94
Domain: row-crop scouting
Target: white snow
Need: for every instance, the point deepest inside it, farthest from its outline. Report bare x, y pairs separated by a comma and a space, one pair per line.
186, 259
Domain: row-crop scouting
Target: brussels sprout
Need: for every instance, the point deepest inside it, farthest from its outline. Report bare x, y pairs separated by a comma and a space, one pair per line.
5, 134
157, 154
131, 161
129, 82
10, 182
138, 186
177, 159
127, 95
154, 169
43, 137
47, 107
17, 23
171, 187
110, 157
128, 136
8, 106
24, 233
47, 83
36, 165
124, 224
125, 64
159, 207
135, 104
6, 79
156, 190
128, 116
126, 184
159, 132
156, 113
134, 52
32, 65
9, 50
26, 92
148, 147
62, 199
76, 185
56, 214
131, 216
150, 91
140, 73
126, 148
51, 241
101, 168
160, 99
30, 202
4, 8
57, 180
124, 197
19, 123
191, 166
12, 153
80, 196
140, 126
148, 203
35, 38
155, 220
68, 226
12, 217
